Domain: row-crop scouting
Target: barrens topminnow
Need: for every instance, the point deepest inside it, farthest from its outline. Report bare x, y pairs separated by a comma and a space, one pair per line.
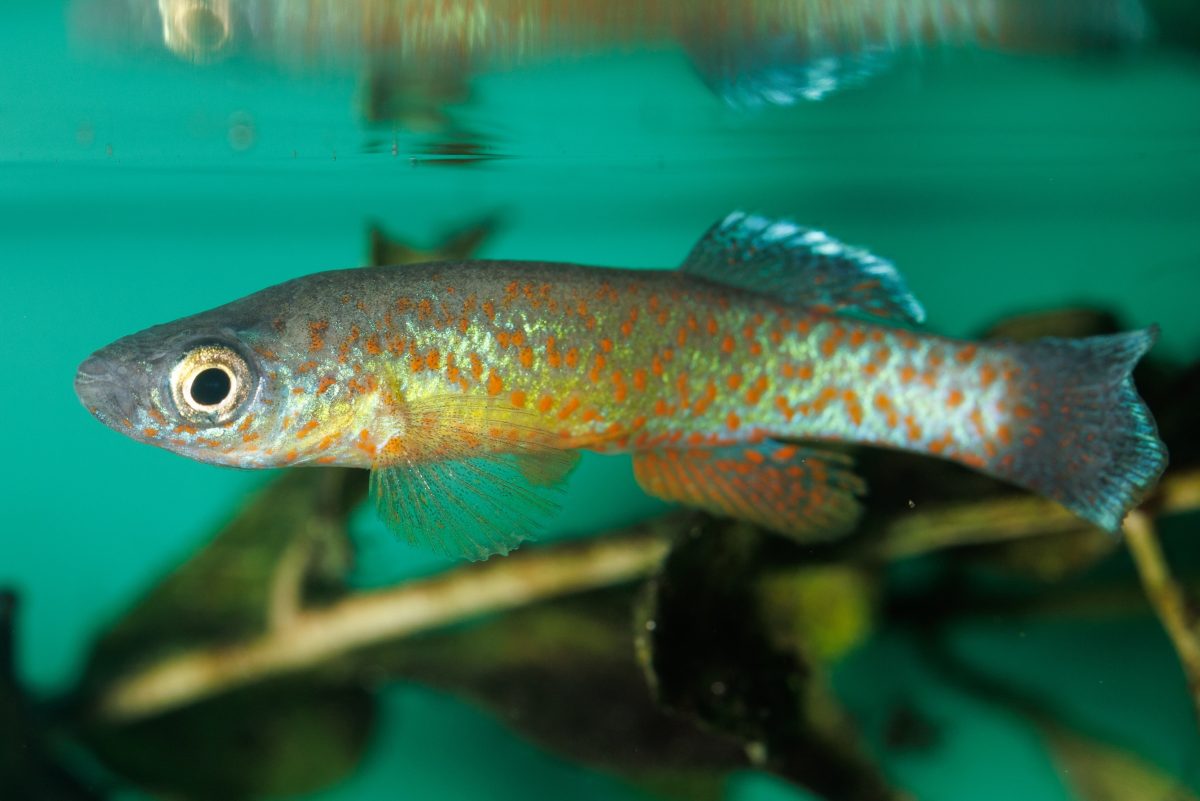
470, 387
751, 52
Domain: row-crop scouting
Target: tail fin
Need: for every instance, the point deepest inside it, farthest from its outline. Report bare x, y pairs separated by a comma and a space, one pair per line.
1086, 439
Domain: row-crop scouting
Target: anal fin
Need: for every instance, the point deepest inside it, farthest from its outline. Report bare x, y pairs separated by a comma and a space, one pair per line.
804, 492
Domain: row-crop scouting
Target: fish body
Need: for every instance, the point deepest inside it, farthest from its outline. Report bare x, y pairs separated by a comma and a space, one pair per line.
472, 384
750, 52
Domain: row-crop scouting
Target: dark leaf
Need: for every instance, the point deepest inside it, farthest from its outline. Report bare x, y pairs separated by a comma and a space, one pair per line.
31, 769
713, 656
288, 546
565, 674
281, 739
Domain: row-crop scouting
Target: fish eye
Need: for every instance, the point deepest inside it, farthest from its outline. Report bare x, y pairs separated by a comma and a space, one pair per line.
210, 384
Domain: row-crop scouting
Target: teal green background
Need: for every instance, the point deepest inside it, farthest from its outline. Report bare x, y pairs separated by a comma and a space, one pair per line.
996, 183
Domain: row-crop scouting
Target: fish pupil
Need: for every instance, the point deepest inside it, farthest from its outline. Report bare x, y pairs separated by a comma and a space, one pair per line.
211, 387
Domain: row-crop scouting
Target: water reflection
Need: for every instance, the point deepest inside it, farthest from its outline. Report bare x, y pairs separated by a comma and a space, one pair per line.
750, 53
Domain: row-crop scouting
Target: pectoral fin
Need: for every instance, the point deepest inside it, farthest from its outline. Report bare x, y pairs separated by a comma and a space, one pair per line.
803, 492
468, 479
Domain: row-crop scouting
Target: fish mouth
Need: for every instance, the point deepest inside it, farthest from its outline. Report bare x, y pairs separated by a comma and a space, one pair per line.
99, 391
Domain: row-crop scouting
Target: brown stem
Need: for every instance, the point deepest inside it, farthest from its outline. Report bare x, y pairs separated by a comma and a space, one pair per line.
313, 636
316, 635
1166, 596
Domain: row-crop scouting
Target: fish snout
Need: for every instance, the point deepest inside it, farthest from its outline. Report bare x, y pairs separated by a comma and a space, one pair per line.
99, 387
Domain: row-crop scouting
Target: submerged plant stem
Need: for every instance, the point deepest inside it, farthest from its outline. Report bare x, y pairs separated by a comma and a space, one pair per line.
307, 638
1011, 518
315, 636
1166, 596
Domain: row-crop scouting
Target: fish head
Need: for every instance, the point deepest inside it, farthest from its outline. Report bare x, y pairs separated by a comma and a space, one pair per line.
197, 387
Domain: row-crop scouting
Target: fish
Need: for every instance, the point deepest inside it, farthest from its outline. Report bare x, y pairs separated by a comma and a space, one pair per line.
750, 53
736, 381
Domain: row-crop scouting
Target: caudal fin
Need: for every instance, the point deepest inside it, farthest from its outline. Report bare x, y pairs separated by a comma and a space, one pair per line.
1085, 438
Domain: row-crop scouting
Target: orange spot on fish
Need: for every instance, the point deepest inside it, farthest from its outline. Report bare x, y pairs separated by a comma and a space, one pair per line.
828, 394
489, 309
853, 407
572, 357
433, 359
307, 428
733, 422
987, 374
907, 374
606, 345
372, 345
734, 381
476, 365
656, 365
517, 398
681, 385
568, 408
1004, 434
786, 453
325, 383
526, 357
781, 403
705, 400
494, 383
639, 379
754, 457
755, 393
954, 398
150, 432
914, 430
966, 354
316, 334
304, 367
545, 403
857, 338
597, 365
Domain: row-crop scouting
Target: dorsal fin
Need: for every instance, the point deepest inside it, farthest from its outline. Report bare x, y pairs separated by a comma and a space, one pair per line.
801, 266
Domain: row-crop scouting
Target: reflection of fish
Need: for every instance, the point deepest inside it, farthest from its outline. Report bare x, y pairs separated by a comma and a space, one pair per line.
468, 387
753, 51
453, 246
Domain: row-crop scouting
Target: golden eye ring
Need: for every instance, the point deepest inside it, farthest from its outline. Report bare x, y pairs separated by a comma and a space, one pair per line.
210, 384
